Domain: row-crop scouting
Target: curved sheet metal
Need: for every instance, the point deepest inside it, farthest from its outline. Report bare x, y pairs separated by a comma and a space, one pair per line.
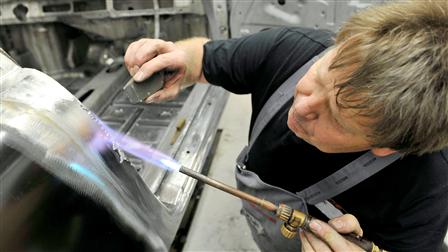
46, 123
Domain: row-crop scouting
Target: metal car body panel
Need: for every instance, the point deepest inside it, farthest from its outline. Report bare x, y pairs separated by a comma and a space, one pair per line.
82, 49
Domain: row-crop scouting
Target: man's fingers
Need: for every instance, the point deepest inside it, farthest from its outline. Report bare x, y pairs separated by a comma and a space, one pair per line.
345, 224
317, 244
143, 50
130, 55
157, 64
306, 246
167, 93
326, 233
145, 57
151, 49
154, 97
175, 78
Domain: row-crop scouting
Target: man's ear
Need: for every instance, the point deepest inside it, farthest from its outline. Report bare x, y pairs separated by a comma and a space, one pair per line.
382, 152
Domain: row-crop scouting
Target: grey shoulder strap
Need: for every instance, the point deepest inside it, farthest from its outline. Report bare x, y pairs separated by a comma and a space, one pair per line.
279, 98
348, 176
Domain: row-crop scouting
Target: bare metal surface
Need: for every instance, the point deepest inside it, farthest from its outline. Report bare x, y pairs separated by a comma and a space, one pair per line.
194, 148
31, 103
74, 118
155, 125
185, 113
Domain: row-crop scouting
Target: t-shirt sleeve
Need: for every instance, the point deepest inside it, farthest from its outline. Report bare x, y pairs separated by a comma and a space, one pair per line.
249, 63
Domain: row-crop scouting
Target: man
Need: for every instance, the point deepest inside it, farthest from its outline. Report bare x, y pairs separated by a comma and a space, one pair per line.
382, 88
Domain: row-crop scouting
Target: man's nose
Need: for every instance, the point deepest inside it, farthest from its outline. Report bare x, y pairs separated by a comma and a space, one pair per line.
309, 106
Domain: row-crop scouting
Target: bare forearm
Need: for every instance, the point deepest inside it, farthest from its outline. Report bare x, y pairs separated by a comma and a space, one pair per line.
194, 50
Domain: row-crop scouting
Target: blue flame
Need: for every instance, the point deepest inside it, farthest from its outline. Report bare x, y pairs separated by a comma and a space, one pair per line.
132, 146
145, 152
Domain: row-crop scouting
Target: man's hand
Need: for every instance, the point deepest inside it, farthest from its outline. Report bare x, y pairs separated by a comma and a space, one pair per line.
326, 237
145, 57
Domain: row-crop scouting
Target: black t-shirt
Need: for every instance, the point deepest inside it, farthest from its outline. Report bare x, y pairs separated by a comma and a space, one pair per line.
402, 208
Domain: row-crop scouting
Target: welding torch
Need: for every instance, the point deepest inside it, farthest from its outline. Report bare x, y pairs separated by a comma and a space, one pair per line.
292, 219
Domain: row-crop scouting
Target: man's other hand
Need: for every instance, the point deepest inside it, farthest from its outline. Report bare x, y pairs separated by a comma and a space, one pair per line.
327, 237
181, 61
145, 57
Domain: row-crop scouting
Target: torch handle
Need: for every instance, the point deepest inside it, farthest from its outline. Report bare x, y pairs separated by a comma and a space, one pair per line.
226, 188
292, 218
354, 238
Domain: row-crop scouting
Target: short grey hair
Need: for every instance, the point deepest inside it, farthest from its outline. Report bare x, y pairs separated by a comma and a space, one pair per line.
399, 53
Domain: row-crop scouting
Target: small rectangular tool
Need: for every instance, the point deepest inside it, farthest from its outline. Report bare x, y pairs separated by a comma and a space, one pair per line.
139, 91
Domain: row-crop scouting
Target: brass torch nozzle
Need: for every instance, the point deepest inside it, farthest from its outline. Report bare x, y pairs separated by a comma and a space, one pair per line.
292, 220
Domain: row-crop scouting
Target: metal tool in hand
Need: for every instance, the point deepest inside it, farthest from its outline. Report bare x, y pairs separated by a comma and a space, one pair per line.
293, 219
139, 91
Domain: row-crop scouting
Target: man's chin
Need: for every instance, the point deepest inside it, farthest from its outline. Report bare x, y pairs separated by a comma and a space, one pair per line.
289, 123
298, 131
307, 140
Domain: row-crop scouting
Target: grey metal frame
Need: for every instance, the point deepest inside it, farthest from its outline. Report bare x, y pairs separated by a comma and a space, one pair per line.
35, 10
250, 16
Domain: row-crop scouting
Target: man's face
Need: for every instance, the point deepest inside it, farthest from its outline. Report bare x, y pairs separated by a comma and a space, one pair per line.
315, 116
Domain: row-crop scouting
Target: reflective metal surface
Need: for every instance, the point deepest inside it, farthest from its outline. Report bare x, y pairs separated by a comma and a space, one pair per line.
47, 124
160, 198
80, 44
